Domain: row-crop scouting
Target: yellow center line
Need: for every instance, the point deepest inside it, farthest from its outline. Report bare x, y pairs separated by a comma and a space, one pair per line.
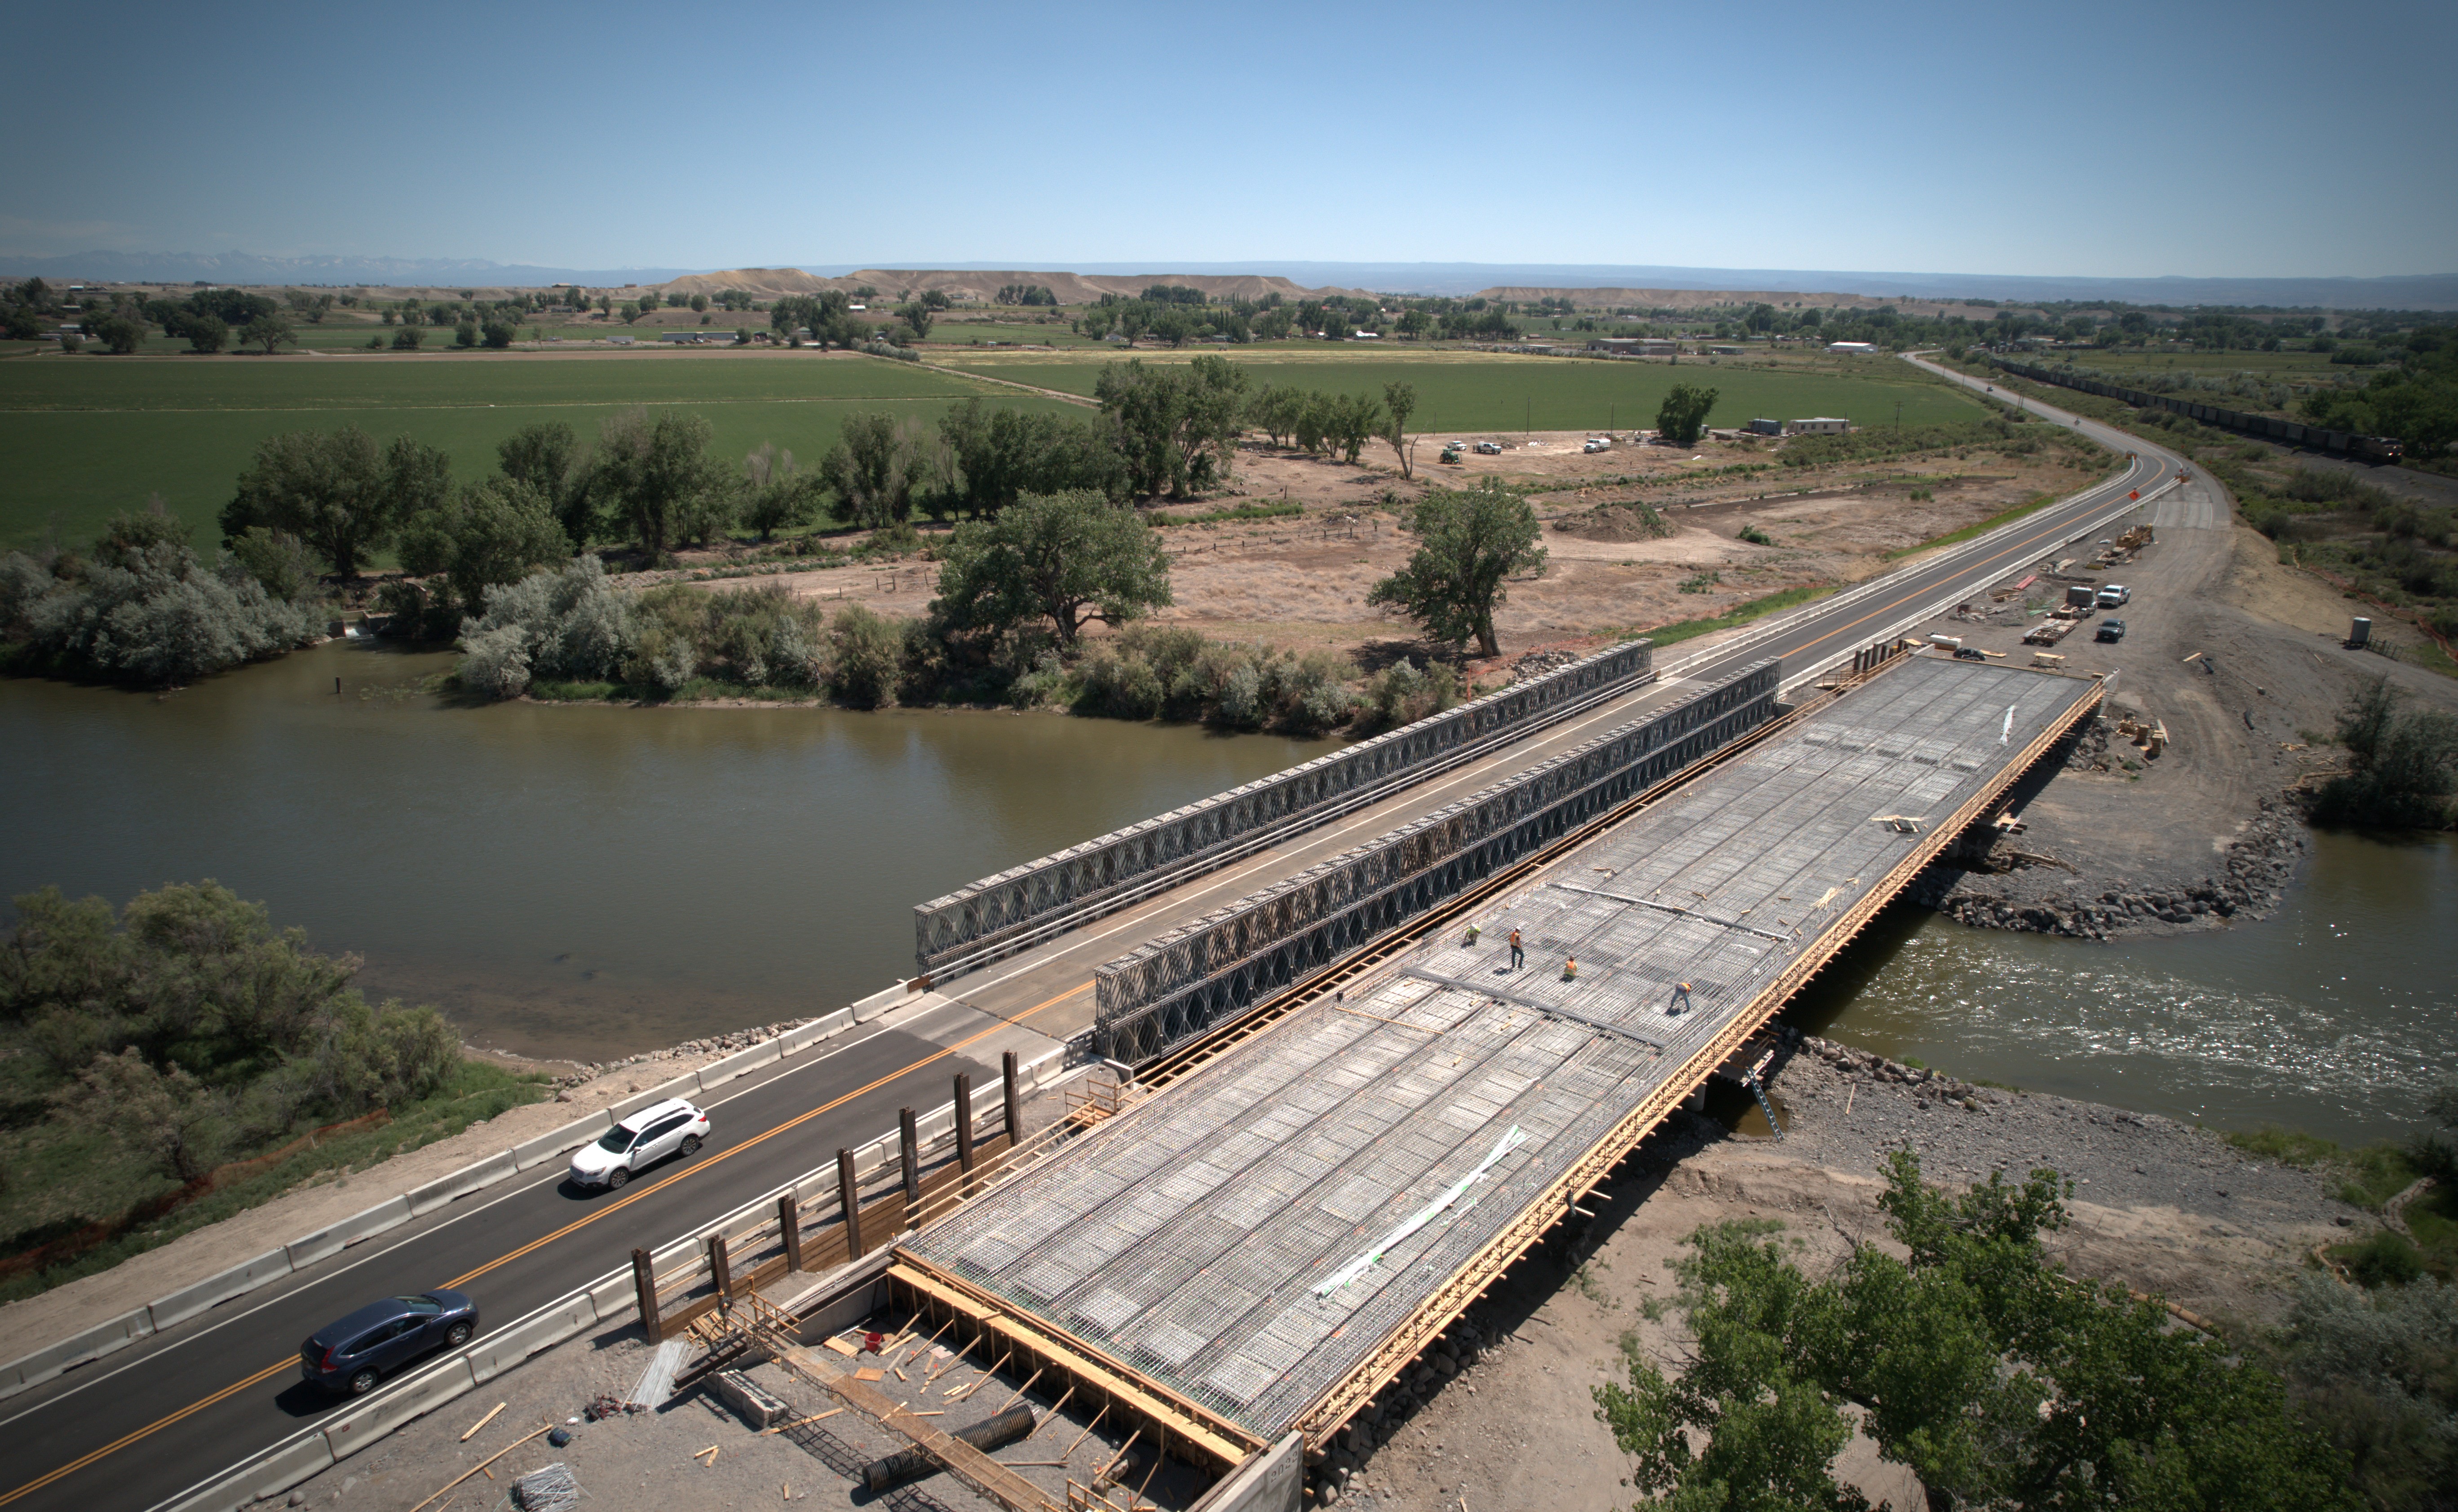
279, 1366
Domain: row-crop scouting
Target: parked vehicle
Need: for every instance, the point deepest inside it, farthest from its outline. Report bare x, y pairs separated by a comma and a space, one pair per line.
1489, 448
350, 1355
1451, 455
2114, 595
671, 1128
2111, 629
1595, 445
2078, 595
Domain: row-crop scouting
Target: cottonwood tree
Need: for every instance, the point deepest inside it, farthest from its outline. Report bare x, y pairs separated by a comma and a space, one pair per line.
1973, 1361
1067, 558
1399, 403
1002, 454
658, 482
1177, 425
546, 457
780, 494
485, 536
336, 491
1469, 543
875, 469
270, 330
1683, 415
916, 317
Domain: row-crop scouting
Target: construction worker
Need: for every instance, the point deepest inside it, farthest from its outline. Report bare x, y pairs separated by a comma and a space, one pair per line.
1519, 957
1680, 1003
1571, 969
1474, 929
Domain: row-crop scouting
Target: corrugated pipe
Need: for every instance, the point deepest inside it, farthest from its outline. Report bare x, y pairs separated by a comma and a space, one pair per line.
913, 1464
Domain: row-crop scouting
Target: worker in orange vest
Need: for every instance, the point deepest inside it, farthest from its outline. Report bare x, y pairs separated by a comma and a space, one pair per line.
1517, 955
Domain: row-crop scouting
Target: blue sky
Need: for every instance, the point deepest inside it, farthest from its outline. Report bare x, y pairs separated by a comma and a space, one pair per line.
2132, 139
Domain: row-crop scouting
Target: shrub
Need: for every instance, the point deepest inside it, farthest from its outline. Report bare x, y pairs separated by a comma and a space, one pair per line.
566, 624
144, 608
2384, 1259
866, 657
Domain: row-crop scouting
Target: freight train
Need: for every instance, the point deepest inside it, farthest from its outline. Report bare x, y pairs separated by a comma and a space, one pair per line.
2372, 448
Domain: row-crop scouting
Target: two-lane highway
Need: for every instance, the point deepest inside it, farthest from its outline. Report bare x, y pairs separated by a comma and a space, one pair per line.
145, 1424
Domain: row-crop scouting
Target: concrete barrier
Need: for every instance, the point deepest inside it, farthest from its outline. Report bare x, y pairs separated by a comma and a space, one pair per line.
387, 1214
263, 1479
562, 1319
533, 1152
214, 1290
93, 1344
613, 1296
716, 1073
828, 1027
463, 1182
871, 1007
415, 1397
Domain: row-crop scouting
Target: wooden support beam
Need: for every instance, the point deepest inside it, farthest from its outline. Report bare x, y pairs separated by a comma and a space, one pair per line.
644, 1285
789, 1222
850, 1199
959, 1458
909, 1145
1203, 1437
965, 1126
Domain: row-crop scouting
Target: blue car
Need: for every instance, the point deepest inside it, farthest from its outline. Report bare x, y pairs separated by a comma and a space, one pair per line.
348, 1357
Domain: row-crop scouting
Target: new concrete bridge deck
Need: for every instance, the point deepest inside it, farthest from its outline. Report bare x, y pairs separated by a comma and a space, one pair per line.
1268, 1238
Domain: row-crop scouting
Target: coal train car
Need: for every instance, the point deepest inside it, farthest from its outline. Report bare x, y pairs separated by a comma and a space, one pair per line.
2372, 448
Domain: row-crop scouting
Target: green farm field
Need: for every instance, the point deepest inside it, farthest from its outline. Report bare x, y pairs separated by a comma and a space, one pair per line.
82, 438
1478, 391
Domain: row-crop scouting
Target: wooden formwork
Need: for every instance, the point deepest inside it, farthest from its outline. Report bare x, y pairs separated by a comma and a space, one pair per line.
1179, 1426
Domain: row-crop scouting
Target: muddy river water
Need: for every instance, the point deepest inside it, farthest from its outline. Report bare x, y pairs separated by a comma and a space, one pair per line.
589, 882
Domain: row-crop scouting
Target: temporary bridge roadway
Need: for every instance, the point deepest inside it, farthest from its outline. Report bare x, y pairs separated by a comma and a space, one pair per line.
1305, 1196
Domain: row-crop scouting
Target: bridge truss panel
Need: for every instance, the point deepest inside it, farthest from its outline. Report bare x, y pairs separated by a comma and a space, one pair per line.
1176, 985
999, 908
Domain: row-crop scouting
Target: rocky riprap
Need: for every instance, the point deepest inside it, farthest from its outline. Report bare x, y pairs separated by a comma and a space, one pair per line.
2258, 866
725, 1043
1329, 1470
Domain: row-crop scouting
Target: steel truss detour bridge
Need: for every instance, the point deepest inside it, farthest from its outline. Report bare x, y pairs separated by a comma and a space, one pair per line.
1270, 1237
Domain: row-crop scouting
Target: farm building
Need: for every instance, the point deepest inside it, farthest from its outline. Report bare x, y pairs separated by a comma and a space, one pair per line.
1865, 347
1817, 425
1636, 345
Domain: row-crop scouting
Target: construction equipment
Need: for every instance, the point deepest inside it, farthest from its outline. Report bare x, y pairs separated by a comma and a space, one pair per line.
2048, 633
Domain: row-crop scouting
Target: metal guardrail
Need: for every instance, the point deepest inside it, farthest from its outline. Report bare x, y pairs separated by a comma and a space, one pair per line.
1176, 985
1003, 911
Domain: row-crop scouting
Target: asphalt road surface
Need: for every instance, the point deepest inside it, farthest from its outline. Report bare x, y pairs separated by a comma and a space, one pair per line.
143, 1425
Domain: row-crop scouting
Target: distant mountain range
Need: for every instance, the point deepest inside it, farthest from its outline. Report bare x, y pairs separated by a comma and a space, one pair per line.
2414, 292
247, 268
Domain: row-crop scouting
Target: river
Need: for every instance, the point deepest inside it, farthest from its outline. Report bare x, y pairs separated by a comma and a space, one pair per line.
580, 881
587, 881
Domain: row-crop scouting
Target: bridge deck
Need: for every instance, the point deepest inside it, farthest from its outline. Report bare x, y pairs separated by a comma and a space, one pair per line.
1273, 1236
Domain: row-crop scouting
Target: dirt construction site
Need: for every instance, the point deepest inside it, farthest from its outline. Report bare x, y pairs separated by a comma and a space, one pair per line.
1636, 535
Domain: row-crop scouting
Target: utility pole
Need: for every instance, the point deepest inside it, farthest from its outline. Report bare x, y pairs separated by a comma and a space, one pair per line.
1899, 414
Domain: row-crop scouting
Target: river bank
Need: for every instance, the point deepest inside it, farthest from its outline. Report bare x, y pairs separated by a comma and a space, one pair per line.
2158, 1207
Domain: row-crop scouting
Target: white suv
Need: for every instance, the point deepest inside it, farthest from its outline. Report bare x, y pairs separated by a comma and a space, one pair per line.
671, 1128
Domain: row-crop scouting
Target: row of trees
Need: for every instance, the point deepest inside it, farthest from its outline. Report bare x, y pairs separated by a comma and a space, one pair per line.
1016, 591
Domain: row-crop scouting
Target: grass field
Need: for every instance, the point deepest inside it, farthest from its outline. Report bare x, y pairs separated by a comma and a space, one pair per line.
1478, 391
82, 438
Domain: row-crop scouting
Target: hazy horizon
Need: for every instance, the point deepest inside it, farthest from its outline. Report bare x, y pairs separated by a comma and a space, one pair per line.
2102, 141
